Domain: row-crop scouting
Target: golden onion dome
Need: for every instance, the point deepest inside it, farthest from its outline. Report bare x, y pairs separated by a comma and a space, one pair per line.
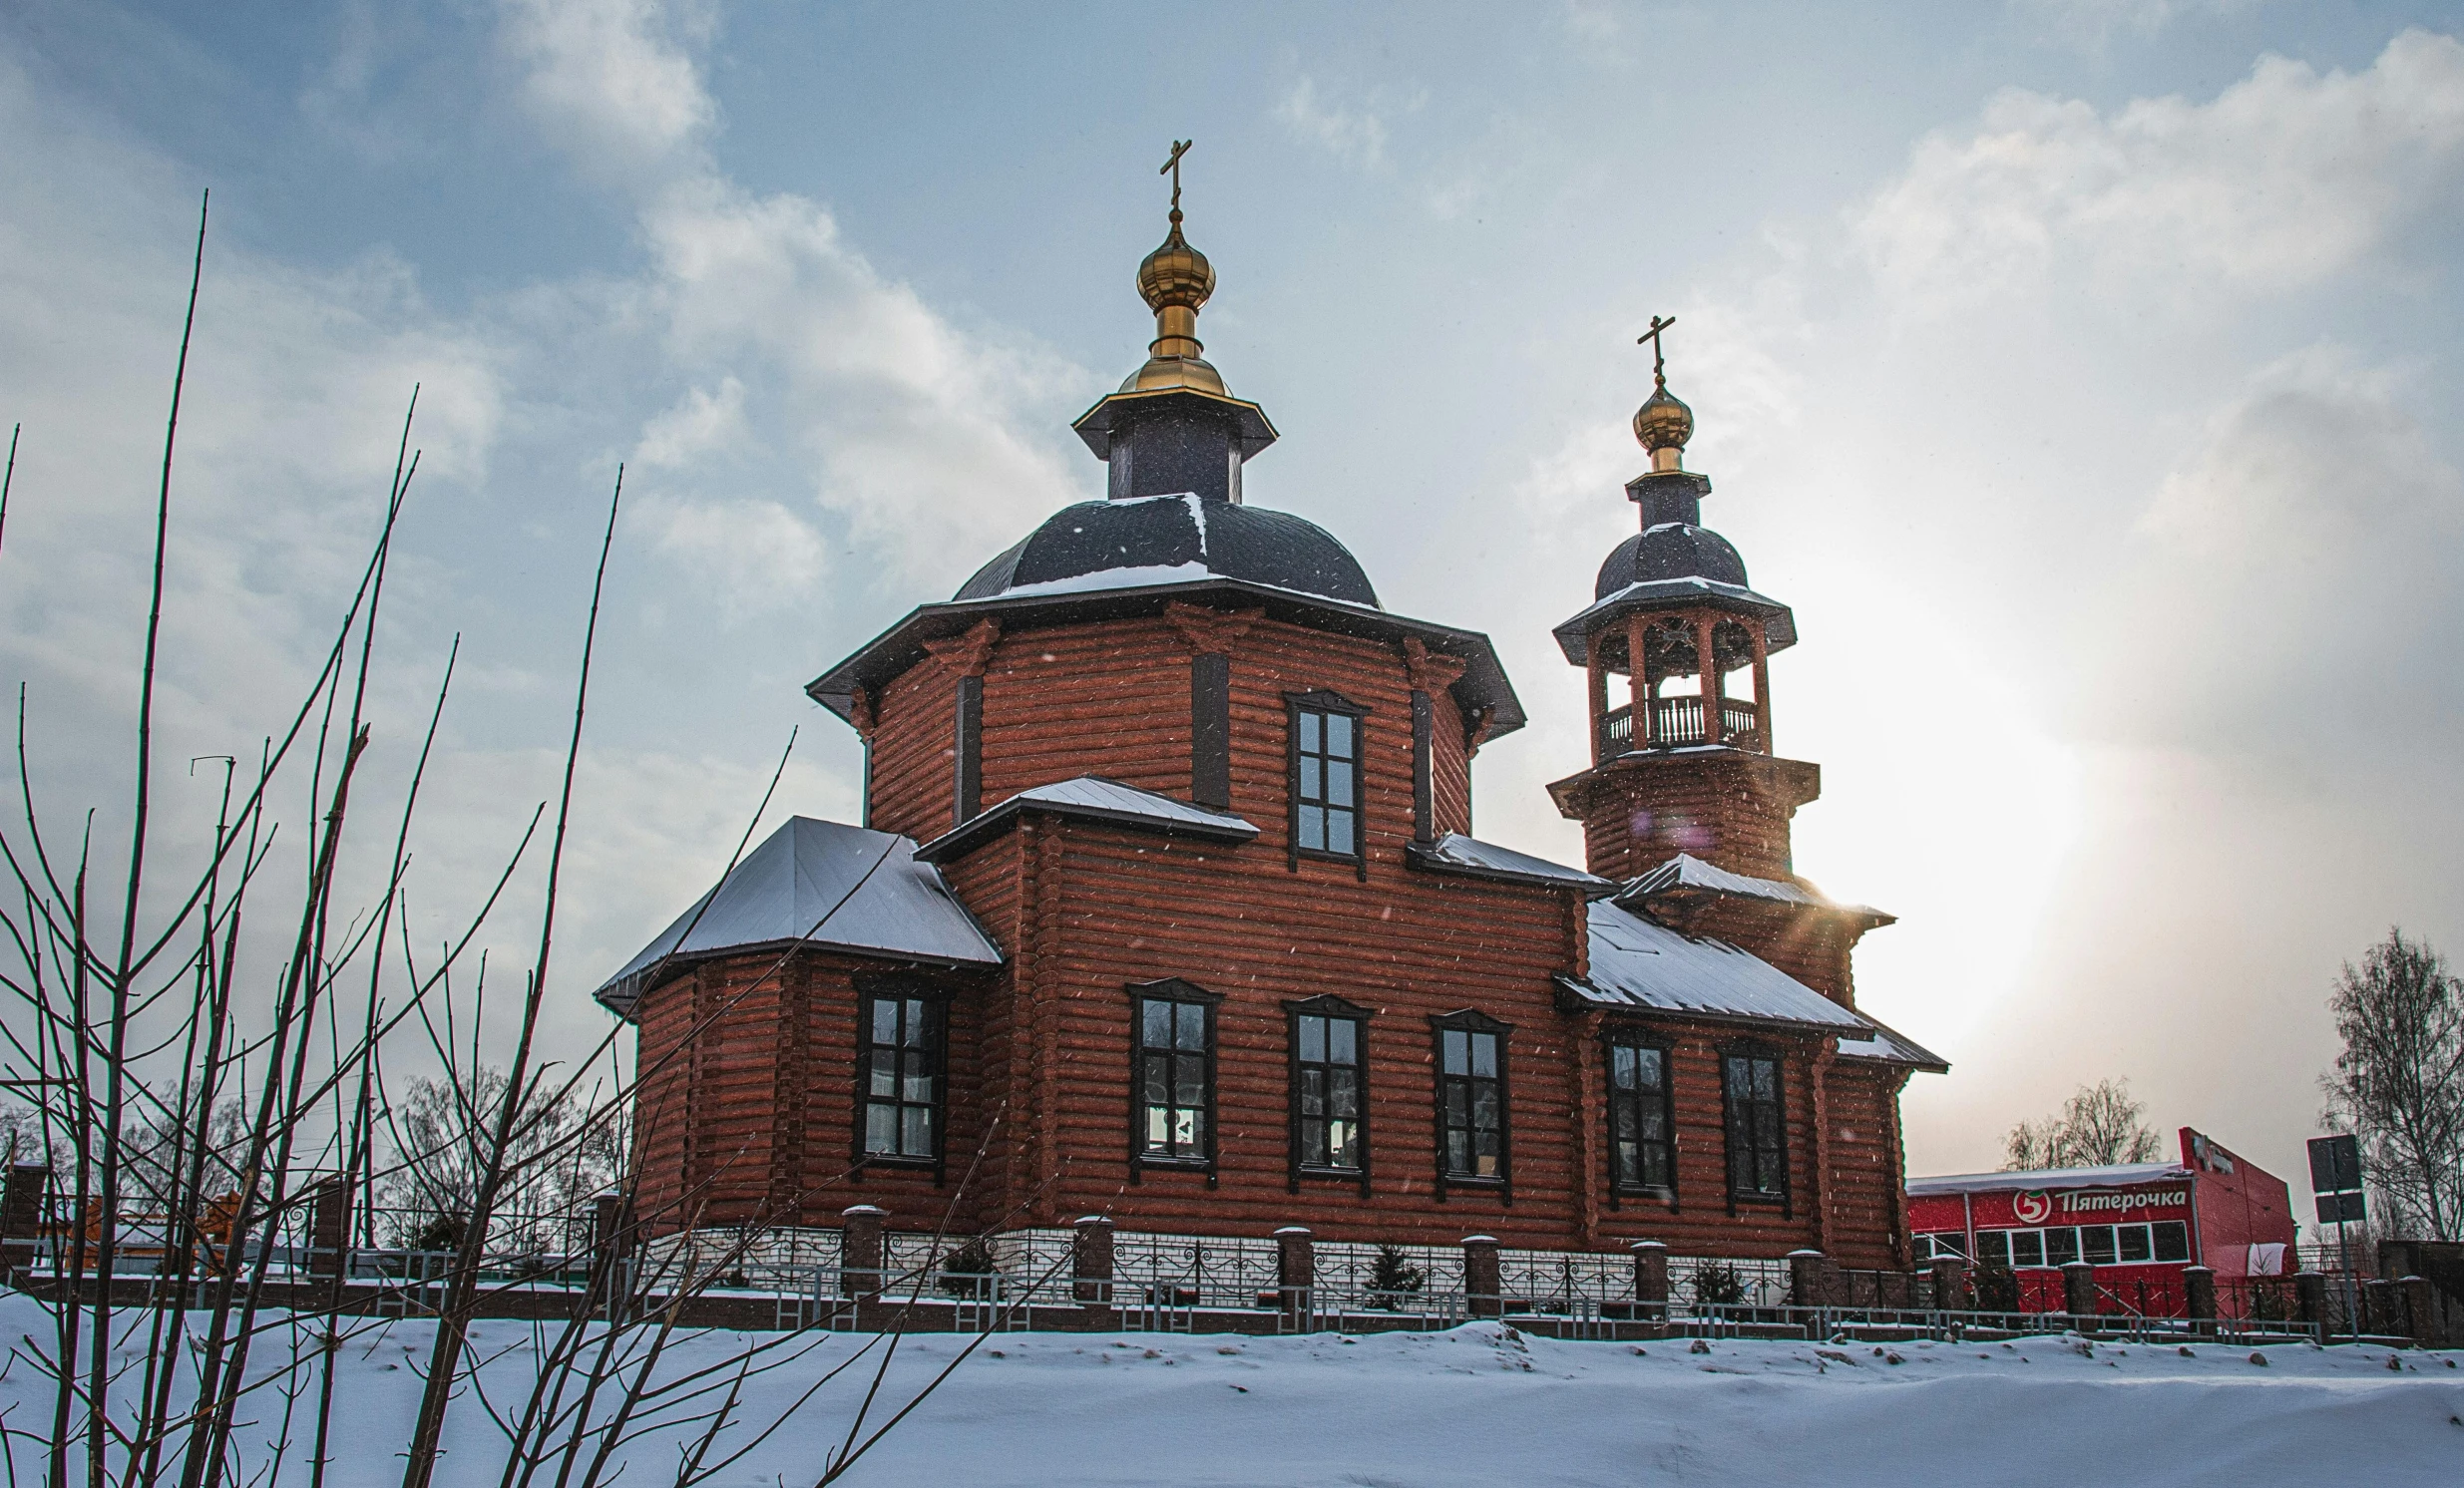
1175, 275
1663, 422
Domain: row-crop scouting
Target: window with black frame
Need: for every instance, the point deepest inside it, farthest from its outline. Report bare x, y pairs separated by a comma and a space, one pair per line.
901, 1077
1325, 777
1176, 1079
1642, 1152
1472, 1099
1327, 1055
1757, 1136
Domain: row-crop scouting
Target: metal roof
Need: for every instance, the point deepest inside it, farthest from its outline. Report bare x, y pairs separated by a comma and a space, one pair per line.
1455, 852
1889, 1046
2113, 1175
1638, 963
1687, 873
1144, 540
1574, 635
1669, 549
1096, 799
820, 883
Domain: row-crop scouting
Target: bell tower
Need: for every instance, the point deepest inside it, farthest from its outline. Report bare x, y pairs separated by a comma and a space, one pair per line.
1676, 649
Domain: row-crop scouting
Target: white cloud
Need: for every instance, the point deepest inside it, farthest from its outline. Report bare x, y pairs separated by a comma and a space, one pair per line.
2282, 180
2093, 24
2302, 551
756, 555
1593, 23
611, 78
904, 426
1353, 133
700, 423
909, 428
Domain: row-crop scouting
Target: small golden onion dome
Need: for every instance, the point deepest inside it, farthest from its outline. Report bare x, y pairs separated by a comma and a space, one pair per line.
1663, 423
1175, 275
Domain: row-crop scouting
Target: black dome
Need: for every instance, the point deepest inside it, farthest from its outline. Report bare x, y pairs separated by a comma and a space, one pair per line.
1672, 549
1174, 539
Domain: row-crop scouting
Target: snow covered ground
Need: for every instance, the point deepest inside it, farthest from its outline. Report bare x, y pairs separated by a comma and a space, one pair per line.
1483, 1404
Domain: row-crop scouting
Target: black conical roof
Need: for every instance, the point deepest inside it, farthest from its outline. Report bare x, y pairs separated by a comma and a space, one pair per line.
1149, 540
1671, 549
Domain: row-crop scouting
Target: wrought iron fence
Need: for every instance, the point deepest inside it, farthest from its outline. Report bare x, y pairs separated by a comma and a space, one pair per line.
1170, 1282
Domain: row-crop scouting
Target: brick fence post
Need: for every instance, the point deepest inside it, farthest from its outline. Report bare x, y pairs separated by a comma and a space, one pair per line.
611, 1245
2198, 1297
1091, 1263
2420, 1322
1950, 1285
2079, 1293
1296, 1270
859, 1257
2309, 1293
1650, 1279
1805, 1278
21, 1217
2379, 1307
1480, 1291
329, 1234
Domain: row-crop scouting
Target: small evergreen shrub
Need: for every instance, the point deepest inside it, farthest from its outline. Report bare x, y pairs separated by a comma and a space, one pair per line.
967, 1274
1393, 1277
1715, 1282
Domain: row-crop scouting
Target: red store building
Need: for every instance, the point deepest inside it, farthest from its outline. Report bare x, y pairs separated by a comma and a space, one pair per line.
2138, 1224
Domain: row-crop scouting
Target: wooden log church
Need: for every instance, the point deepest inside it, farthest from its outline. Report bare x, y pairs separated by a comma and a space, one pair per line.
1166, 905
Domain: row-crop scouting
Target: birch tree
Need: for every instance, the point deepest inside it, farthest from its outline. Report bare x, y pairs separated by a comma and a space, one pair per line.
2399, 1083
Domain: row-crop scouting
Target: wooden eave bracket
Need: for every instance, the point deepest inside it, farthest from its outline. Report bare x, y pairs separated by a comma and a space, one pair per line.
966, 652
1430, 671
1210, 632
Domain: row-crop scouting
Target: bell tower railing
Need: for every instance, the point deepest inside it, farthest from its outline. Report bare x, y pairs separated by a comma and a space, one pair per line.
1677, 722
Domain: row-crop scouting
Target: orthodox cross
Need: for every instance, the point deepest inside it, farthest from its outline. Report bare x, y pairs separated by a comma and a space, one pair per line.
1659, 365
1173, 167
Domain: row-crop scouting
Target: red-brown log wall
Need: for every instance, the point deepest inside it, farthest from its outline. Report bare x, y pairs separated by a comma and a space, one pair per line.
747, 1110
1718, 807
1869, 1216
912, 762
1449, 766
1111, 698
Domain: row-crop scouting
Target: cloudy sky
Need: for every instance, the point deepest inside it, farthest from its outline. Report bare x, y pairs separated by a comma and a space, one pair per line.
2082, 371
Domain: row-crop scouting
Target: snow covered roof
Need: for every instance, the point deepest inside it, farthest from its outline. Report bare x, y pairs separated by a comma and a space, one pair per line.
1091, 798
1138, 540
1779, 624
2111, 1176
1455, 852
1638, 963
1889, 1046
1686, 872
822, 883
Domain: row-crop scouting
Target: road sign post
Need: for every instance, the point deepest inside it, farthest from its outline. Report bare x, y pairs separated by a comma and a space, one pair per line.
2335, 1187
